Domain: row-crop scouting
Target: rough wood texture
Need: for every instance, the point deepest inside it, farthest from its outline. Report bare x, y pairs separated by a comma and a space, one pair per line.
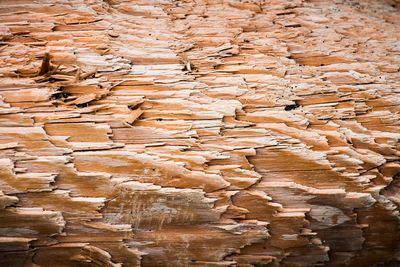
199, 133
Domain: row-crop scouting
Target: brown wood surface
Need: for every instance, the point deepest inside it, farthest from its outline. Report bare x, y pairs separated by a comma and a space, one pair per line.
199, 133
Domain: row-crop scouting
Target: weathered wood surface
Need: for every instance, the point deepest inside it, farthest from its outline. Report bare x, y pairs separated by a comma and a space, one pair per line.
199, 133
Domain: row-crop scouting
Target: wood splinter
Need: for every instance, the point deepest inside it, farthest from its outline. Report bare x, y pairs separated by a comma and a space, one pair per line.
45, 68
133, 116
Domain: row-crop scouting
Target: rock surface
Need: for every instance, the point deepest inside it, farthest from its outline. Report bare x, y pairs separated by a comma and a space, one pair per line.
199, 133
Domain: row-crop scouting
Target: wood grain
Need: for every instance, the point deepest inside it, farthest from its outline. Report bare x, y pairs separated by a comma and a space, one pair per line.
199, 133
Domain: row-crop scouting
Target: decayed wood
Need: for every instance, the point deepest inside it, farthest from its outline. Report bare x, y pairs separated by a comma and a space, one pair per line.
199, 133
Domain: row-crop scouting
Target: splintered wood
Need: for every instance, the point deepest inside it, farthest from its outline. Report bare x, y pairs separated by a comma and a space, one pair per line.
199, 133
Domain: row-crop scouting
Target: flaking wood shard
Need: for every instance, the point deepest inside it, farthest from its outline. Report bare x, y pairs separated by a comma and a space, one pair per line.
199, 133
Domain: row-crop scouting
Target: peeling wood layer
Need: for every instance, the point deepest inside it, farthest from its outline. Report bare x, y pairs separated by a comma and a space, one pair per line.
199, 133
